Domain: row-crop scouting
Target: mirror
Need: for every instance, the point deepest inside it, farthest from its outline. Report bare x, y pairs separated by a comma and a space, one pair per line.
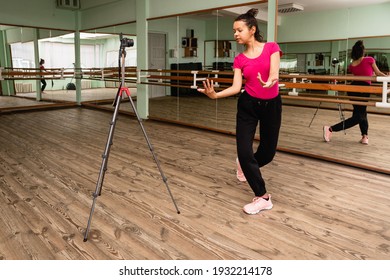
106, 43
23, 45
200, 41
57, 48
302, 120
345, 146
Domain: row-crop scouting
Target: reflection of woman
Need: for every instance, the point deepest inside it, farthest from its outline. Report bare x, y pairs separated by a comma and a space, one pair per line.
42, 68
361, 66
260, 102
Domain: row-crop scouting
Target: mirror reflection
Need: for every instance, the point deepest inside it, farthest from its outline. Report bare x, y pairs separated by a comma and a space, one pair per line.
199, 42
56, 48
302, 119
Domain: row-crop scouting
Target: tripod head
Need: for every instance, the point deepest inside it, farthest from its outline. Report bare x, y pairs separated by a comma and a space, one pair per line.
125, 42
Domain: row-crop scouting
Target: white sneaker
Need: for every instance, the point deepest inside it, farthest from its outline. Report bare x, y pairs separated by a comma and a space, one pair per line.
364, 140
258, 204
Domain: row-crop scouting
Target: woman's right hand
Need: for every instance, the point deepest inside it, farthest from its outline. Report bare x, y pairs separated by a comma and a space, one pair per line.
208, 89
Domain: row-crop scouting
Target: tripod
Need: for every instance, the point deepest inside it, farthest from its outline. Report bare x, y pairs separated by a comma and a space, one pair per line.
122, 89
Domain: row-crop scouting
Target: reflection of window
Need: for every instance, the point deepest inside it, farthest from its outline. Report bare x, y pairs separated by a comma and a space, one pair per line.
289, 63
111, 52
89, 55
23, 55
381, 60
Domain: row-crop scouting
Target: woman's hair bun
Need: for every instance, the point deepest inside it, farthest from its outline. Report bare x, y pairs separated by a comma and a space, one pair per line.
359, 43
252, 12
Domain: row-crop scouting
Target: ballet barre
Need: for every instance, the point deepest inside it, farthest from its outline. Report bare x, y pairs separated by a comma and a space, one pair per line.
221, 79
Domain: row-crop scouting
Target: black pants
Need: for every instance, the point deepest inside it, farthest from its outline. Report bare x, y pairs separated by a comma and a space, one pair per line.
359, 115
251, 112
43, 85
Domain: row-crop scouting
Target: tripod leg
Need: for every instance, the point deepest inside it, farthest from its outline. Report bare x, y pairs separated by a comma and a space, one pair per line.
315, 113
152, 151
103, 166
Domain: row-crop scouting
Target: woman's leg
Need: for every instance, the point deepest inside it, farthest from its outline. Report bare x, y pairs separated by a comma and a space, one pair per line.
43, 85
270, 122
246, 123
359, 115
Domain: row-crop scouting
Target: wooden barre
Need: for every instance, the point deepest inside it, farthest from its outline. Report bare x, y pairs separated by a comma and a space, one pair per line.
335, 87
329, 100
346, 97
329, 77
190, 72
188, 78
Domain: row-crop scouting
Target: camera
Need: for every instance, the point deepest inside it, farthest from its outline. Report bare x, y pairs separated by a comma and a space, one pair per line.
126, 42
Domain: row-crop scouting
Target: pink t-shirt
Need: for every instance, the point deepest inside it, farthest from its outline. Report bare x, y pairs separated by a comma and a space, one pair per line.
364, 68
250, 67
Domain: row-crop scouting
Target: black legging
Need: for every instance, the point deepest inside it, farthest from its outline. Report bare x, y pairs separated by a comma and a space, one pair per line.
359, 115
250, 112
43, 84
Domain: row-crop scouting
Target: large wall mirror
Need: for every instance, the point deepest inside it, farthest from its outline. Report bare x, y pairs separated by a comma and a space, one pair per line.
98, 49
198, 41
303, 133
23, 47
204, 41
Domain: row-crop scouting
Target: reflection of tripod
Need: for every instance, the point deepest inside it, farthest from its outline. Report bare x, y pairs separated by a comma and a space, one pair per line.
341, 113
122, 89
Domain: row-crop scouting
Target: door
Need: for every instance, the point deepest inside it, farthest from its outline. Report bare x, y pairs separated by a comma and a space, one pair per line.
157, 60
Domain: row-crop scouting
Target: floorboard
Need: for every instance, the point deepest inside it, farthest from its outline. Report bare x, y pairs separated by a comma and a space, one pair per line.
49, 165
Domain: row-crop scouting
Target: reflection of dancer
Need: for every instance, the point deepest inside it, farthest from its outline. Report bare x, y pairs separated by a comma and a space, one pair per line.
361, 66
42, 68
260, 102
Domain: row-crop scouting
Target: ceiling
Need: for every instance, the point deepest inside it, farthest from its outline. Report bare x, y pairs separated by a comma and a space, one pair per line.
325, 5
308, 5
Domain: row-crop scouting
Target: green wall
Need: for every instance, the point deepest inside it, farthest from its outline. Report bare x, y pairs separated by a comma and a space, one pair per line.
373, 20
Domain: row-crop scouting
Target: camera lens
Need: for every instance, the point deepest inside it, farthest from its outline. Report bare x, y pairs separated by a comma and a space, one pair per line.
126, 43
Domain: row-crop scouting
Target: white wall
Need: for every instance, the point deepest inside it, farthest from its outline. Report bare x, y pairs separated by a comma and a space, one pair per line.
36, 13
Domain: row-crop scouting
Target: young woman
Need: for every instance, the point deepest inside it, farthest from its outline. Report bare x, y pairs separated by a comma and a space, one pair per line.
42, 68
361, 66
259, 103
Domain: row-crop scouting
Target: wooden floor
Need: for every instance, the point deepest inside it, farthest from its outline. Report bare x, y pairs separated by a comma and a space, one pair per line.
301, 130
49, 163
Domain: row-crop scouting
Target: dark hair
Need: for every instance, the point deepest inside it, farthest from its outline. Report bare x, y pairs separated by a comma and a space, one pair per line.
41, 61
357, 50
250, 20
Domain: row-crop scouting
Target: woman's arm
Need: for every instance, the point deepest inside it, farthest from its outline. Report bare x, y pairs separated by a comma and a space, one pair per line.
232, 90
377, 71
273, 72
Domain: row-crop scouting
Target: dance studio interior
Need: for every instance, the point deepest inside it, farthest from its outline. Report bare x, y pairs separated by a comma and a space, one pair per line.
120, 157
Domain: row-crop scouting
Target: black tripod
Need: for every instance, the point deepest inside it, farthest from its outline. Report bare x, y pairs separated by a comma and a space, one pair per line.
122, 89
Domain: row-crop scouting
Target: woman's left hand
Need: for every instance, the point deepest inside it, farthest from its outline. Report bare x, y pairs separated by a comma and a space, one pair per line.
266, 84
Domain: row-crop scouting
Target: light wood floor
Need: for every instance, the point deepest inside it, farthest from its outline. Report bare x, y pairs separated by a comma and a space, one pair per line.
49, 163
297, 133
